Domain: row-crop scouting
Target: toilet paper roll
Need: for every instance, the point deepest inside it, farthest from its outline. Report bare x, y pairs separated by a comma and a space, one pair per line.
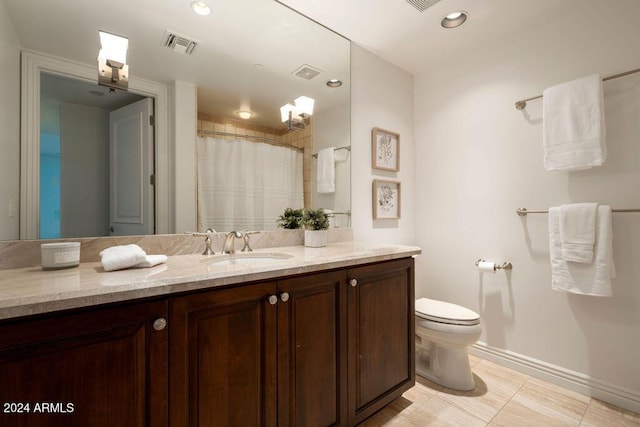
487, 267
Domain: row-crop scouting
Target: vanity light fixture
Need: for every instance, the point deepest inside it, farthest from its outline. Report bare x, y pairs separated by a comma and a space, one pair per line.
454, 19
113, 70
334, 83
201, 8
295, 115
244, 114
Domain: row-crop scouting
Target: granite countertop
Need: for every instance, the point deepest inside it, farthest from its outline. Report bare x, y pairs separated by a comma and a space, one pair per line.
30, 290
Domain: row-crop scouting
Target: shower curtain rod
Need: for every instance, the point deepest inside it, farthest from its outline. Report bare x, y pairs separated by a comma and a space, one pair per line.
260, 138
525, 211
523, 103
348, 148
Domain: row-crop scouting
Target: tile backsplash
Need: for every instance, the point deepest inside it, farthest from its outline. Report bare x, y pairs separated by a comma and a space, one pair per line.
26, 253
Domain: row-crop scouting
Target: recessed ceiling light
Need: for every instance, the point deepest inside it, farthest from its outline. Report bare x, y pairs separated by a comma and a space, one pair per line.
244, 114
334, 83
454, 19
201, 8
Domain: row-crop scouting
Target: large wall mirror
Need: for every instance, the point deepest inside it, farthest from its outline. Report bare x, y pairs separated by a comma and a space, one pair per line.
246, 59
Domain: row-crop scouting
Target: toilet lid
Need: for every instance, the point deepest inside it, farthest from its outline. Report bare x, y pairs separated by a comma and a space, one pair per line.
444, 312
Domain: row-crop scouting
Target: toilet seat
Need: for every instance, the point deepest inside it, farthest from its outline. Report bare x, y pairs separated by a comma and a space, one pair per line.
444, 312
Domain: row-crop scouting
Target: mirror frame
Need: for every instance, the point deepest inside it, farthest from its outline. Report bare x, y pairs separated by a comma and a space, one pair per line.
32, 64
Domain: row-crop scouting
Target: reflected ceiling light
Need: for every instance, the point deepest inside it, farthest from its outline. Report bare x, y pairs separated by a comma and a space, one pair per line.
113, 70
244, 114
334, 83
201, 8
454, 19
295, 115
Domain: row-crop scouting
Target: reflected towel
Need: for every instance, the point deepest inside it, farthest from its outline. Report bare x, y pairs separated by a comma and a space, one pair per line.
119, 257
326, 170
578, 231
586, 279
573, 125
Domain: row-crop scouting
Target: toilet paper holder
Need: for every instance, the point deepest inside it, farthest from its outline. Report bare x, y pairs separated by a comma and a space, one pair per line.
503, 266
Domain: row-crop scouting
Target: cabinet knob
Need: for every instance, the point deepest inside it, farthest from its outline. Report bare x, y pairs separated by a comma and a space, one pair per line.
159, 324
284, 296
273, 299
353, 282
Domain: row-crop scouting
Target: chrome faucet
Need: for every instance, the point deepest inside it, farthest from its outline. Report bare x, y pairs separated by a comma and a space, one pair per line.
229, 242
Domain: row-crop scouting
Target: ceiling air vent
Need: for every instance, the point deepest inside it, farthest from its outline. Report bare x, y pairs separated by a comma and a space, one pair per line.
179, 43
306, 72
422, 5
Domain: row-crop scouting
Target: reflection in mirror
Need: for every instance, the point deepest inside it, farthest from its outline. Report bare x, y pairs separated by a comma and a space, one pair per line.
252, 56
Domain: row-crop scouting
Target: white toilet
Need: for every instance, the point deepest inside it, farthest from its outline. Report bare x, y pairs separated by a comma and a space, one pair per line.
444, 332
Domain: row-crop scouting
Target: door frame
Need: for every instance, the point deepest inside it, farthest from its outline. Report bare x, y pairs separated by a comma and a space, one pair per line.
32, 64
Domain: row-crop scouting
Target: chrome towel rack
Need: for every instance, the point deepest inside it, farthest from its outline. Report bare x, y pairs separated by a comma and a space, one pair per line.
523, 103
348, 148
525, 211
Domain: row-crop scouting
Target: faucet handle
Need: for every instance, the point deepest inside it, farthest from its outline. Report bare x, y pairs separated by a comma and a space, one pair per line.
246, 236
207, 241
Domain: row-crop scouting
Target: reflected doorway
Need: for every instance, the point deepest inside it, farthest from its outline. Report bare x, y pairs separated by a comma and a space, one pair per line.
75, 156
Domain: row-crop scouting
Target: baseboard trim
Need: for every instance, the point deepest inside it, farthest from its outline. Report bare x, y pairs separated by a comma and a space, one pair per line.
578, 382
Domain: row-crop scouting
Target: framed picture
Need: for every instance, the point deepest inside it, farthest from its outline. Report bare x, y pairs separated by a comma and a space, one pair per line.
385, 150
386, 199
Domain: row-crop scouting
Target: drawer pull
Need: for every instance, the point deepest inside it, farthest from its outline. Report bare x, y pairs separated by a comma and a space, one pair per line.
353, 282
159, 324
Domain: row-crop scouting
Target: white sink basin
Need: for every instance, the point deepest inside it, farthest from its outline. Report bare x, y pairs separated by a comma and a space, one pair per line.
247, 258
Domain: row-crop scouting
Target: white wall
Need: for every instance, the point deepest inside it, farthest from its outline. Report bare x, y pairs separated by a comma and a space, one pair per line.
381, 96
478, 159
10, 126
184, 156
84, 177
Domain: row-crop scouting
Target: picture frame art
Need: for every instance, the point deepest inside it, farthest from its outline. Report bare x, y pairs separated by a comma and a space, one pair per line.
386, 199
385, 150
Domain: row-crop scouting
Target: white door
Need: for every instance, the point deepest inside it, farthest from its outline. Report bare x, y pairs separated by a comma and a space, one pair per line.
131, 192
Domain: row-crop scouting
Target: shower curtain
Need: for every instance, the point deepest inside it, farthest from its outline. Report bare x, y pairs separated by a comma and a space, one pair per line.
246, 185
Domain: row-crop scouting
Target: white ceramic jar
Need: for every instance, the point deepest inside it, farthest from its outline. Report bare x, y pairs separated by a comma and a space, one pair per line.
60, 255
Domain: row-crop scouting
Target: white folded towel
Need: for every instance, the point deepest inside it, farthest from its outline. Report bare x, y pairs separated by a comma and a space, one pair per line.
119, 257
152, 261
326, 170
579, 278
573, 125
578, 231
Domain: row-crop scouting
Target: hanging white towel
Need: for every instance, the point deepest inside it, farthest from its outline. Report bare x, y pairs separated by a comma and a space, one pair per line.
326, 176
578, 231
579, 278
573, 125
120, 257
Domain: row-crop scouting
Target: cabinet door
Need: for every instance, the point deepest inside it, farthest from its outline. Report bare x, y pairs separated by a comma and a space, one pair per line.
106, 367
381, 335
312, 350
222, 350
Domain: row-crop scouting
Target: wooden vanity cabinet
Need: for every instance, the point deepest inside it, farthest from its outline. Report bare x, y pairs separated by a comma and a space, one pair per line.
103, 367
381, 353
263, 354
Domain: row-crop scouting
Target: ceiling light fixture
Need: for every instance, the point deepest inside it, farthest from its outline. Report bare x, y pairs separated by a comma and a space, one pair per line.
113, 70
295, 115
334, 83
201, 8
244, 114
454, 19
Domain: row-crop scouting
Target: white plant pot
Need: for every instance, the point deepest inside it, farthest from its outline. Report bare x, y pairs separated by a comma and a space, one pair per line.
315, 238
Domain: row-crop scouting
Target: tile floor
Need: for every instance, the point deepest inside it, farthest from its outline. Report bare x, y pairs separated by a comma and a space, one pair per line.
502, 398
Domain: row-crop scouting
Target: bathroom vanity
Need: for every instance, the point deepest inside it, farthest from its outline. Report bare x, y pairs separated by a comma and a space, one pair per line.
325, 337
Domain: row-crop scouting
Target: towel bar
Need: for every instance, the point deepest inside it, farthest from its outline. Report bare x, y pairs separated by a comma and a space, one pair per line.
525, 211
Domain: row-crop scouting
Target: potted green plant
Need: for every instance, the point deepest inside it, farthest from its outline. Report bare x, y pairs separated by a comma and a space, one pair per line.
290, 219
315, 223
